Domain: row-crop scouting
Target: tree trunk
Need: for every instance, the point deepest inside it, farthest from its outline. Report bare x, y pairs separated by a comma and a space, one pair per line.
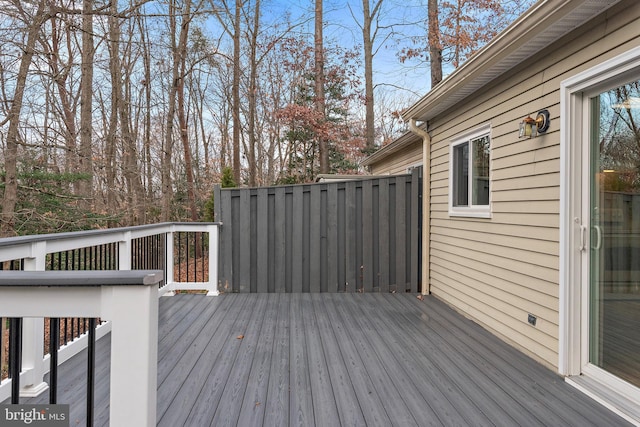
167, 186
323, 146
112, 134
253, 89
59, 74
236, 93
135, 192
435, 47
10, 195
144, 34
85, 188
182, 115
368, 40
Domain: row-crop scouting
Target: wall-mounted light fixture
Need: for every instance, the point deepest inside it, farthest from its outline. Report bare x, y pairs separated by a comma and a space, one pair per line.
530, 128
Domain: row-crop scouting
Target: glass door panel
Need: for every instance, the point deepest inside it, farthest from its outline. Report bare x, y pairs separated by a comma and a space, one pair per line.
614, 259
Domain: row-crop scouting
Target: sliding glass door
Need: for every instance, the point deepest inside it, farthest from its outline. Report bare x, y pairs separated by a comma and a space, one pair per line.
614, 231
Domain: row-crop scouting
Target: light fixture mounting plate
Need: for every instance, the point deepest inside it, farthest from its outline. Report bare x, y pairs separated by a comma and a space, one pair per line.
542, 121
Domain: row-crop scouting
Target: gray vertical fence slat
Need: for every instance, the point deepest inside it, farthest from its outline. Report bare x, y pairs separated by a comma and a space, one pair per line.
350, 236
332, 238
400, 235
367, 236
383, 236
315, 240
244, 273
217, 216
226, 237
327, 237
262, 240
280, 240
296, 242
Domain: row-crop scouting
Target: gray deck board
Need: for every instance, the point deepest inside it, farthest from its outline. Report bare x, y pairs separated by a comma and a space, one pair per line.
324, 405
381, 378
210, 374
228, 408
404, 393
349, 359
542, 388
255, 396
300, 400
277, 404
347, 404
433, 392
370, 401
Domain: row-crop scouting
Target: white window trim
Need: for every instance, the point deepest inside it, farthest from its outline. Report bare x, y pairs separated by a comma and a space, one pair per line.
472, 211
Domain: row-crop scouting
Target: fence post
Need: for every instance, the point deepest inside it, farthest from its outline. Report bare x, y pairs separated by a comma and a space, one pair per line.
213, 260
33, 366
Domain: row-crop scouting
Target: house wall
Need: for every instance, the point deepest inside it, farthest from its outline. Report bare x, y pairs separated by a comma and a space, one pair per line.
399, 162
498, 270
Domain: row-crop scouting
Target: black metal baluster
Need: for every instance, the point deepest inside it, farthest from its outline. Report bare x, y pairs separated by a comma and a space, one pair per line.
91, 367
202, 253
1, 338
66, 326
54, 345
115, 262
15, 358
203, 247
155, 244
179, 256
195, 257
144, 252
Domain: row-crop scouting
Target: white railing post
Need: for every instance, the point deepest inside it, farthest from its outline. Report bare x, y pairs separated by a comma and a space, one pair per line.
129, 299
134, 342
213, 260
33, 367
124, 252
169, 263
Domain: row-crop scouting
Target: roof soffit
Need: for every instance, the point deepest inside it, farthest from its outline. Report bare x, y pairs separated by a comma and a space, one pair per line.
541, 25
396, 145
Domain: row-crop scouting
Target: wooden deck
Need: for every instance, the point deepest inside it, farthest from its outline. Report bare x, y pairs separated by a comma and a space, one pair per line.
337, 359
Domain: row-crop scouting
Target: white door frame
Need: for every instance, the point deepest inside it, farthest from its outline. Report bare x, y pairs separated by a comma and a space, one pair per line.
574, 236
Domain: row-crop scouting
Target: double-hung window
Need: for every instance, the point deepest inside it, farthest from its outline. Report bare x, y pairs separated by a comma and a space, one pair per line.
469, 180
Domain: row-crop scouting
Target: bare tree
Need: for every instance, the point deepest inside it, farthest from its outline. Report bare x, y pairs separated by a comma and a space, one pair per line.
85, 159
235, 90
435, 46
252, 95
37, 19
182, 113
368, 38
323, 146
167, 149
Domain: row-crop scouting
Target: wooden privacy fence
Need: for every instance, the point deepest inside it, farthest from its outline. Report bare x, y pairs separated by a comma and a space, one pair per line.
351, 236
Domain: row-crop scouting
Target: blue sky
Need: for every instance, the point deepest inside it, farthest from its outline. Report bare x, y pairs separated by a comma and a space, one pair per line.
406, 81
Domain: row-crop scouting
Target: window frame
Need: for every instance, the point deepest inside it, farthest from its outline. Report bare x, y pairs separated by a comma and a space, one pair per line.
471, 210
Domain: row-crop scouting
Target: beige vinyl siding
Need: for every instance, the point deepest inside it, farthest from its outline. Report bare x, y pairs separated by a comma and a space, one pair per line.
499, 270
398, 163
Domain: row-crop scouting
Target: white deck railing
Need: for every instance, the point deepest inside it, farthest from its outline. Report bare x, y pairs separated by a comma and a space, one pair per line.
33, 251
128, 299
